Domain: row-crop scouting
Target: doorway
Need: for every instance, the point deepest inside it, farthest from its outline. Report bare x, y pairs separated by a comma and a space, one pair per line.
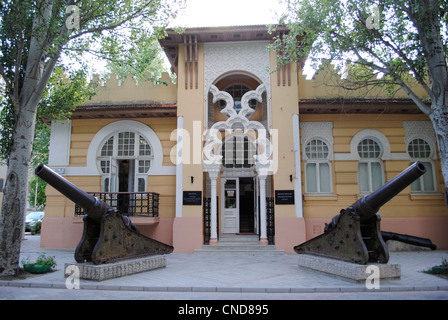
126, 173
247, 205
239, 212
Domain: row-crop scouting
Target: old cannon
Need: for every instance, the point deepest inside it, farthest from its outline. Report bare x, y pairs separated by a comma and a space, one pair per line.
354, 235
108, 235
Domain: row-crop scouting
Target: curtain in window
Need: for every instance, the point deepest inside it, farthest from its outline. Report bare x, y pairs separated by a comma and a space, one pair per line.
377, 176
324, 177
311, 177
318, 177
363, 177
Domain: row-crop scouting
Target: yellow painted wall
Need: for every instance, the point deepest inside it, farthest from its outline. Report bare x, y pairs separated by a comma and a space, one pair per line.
345, 181
128, 91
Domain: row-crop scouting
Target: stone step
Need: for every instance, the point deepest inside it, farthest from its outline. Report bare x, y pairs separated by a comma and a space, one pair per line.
250, 251
239, 237
238, 247
239, 244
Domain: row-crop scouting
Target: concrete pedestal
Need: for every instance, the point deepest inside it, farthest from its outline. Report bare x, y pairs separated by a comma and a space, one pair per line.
90, 271
349, 271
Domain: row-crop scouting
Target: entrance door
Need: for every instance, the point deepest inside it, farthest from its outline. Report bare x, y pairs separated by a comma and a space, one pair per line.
247, 205
126, 173
230, 212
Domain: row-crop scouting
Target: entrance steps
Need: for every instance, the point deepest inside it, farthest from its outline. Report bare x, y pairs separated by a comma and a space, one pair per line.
237, 244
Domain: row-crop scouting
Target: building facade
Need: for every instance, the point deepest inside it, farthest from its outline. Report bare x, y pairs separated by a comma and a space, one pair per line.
234, 148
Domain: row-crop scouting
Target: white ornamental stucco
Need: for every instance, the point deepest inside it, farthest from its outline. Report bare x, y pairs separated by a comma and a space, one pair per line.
223, 58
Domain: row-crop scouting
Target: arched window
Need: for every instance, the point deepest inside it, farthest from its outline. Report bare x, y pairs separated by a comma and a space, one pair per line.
317, 167
238, 151
237, 92
370, 170
420, 150
124, 160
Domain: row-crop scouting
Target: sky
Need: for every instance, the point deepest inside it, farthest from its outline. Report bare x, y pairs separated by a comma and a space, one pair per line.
209, 13
214, 13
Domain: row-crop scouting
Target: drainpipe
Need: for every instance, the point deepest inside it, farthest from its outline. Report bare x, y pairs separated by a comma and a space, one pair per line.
179, 163
297, 174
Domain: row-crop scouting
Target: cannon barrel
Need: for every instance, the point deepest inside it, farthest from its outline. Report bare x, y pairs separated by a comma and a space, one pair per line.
93, 206
370, 204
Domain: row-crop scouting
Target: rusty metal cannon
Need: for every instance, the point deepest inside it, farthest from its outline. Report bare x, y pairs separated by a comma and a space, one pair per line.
108, 235
354, 235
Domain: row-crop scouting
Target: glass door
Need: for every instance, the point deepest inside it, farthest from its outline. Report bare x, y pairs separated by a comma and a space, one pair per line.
230, 206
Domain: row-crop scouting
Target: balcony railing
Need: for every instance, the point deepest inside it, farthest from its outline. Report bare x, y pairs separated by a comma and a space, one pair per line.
133, 204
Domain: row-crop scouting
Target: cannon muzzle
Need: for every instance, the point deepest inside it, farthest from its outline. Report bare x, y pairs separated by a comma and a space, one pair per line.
94, 207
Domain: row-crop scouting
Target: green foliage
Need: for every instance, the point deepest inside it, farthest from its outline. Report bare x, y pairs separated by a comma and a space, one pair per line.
7, 123
63, 93
132, 47
386, 36
144, 62
42, 260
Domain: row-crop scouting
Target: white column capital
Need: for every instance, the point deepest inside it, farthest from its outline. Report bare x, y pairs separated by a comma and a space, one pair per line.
262, 170
213, 170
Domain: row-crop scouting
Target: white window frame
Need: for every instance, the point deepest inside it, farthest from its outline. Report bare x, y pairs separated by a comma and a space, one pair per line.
240, 154
429, 159
369, 162
318, 162
114, 158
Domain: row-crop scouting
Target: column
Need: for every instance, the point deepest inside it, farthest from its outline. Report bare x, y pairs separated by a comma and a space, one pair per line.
213, 215
213, 172
262, 171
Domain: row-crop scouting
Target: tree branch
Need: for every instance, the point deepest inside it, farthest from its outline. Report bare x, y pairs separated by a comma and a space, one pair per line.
386, 70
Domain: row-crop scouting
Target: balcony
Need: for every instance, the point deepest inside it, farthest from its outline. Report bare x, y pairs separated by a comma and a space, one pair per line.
132, 204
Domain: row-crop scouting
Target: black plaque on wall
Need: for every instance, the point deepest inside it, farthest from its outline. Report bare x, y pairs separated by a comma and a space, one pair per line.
284, 196
192, 198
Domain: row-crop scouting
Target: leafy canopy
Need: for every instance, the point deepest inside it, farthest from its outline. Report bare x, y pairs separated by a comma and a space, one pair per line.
386, 37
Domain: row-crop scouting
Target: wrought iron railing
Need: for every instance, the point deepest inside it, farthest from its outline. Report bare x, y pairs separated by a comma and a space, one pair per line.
270, 220
144, 204
206, 219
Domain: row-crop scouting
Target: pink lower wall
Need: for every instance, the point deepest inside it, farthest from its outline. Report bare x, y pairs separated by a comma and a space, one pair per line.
186, 234
289, 232
67, 232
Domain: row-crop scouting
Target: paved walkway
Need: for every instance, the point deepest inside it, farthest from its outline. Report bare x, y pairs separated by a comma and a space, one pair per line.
213, 276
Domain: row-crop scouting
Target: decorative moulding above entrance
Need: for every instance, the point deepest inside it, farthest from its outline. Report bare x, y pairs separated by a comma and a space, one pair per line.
249, 57
236, 121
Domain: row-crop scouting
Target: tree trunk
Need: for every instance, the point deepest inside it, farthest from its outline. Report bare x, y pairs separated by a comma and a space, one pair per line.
25, 109
439, 118
14, 204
